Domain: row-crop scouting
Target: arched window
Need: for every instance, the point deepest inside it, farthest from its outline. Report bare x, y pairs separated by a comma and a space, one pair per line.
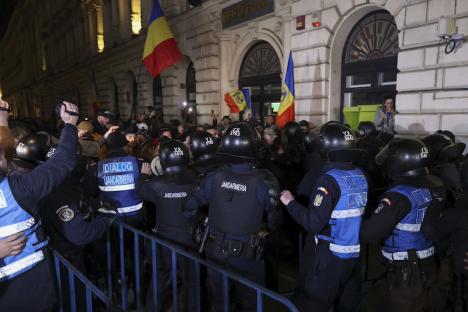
261, 73
369, 67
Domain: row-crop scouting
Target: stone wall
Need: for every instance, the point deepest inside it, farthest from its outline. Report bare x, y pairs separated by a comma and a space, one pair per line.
432, 86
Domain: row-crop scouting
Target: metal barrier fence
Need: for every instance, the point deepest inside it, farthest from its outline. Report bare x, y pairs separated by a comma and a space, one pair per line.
68, 300
139, 237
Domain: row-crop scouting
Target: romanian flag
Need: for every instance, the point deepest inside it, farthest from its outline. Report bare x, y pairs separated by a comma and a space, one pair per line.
286, 109
236, 101
161, 49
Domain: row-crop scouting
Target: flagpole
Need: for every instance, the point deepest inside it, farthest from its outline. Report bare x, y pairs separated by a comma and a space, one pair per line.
135, 96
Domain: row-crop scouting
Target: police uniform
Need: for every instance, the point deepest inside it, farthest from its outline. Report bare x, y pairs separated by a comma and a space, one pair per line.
398, 224
66, 225
168, 193
30, 271
334, 215
113, 180
238, 197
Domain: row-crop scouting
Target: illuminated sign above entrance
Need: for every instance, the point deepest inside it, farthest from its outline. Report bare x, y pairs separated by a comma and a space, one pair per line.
246, 10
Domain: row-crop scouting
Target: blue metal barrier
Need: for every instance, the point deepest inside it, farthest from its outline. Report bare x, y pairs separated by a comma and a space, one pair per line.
124, 230
91, 291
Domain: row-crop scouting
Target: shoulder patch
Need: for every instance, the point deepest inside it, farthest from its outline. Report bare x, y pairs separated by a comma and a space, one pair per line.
318, 200
65, 213
383, 202
323, 190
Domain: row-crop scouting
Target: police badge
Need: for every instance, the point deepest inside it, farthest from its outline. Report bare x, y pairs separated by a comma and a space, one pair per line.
65, 214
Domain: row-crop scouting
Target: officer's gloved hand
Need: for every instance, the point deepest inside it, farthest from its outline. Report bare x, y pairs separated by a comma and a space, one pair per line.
107, 210
99, 207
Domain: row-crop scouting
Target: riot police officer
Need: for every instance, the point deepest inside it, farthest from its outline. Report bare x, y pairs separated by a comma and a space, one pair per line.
113, 180
71, 222
398, 224
334, 215
444, 157
29, 271
204, 147
30, 151
167, 193
238, 196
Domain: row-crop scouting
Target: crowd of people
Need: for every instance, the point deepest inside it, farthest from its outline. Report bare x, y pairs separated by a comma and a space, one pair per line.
385, 216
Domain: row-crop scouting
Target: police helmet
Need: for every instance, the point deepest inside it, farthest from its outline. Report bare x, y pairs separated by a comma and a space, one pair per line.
311, 141
337, 143
203, 145
292, 130
404, 157
442, 148
34, 147
366, 128
173, 155
239, 143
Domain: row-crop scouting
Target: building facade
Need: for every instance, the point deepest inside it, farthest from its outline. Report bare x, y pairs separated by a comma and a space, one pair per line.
346, 53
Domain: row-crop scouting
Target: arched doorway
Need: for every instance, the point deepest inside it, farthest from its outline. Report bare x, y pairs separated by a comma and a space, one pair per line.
369, 65
261, 73
189, 112
158, 96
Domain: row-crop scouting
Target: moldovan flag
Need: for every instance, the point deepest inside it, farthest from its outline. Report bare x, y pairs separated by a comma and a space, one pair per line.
286, 109
161, 49
236, 101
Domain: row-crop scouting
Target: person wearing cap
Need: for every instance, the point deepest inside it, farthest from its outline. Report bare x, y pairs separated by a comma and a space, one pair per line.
86, 131
102, 122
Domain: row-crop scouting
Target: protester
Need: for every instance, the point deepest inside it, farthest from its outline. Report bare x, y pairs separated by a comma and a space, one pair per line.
385, 116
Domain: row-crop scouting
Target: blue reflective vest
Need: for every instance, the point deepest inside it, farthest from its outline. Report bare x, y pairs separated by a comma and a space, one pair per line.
346, 218
406, 235
116, 178
14, 219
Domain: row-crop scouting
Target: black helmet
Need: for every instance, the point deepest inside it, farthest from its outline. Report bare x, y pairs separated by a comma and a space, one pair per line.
203, 145
404, 157
442, 148
365, 128
311, 141
34, 147
173, 155
292, 130
239, 143
337, 142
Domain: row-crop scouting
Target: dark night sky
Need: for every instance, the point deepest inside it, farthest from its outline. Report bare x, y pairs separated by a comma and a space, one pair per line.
6, 8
